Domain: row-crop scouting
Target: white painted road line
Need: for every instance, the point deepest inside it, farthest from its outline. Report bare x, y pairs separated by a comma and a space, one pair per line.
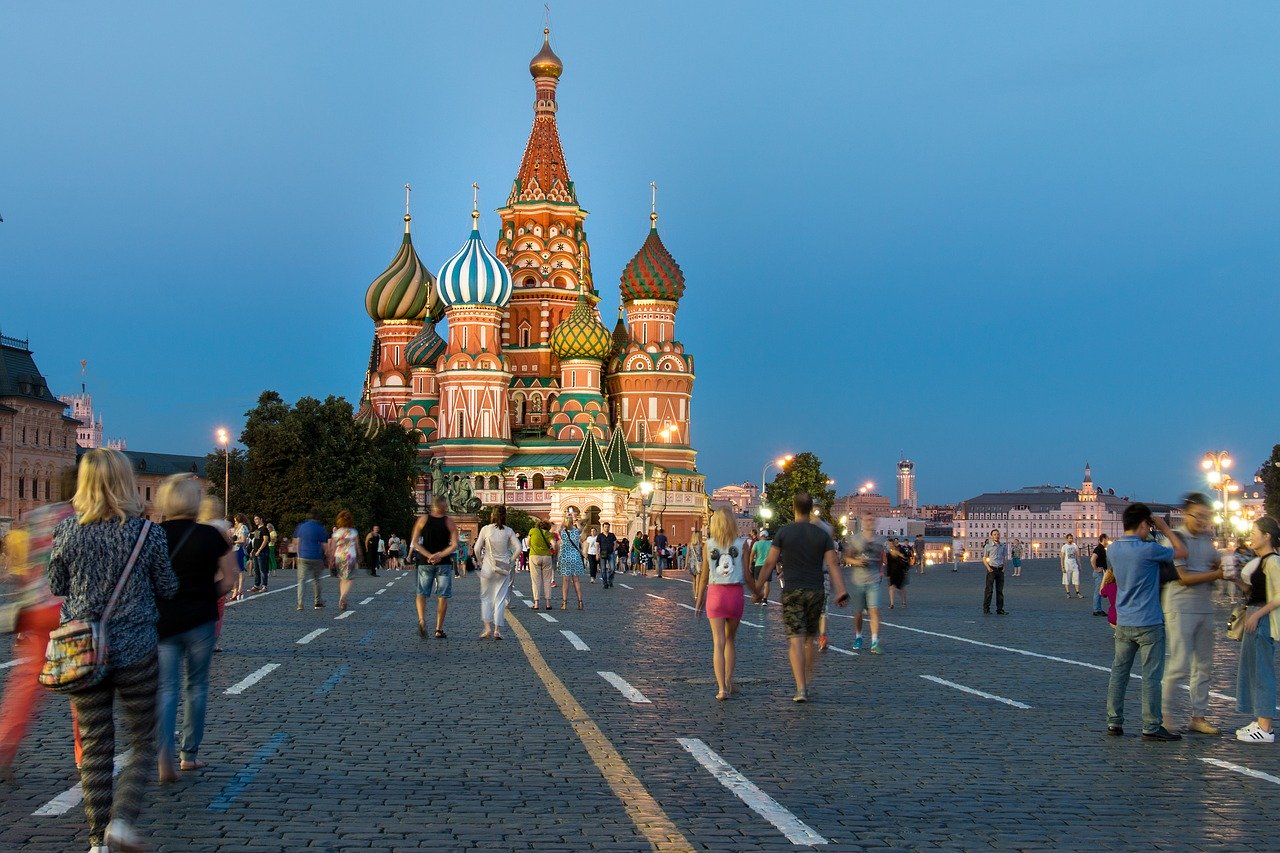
367, 600
261, 594
10, 663
686, 606
624, 688
752, 624
1256, 774
381, 591
548, 617
576, 640
651, 595
388, 586
624, 586
527, 602
952, 684
518, 593
73, 796
309, 637
796, 831
343, 615
253, 678
843, 651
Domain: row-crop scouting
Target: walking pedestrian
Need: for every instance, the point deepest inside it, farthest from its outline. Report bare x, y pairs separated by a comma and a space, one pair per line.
1188, 617
240, 542
759, 554
90, 553
866, 556
695, 547
642, 552
624, 555
258, 542
994, 555
187, 628
918, 546
1135, 560
1015, 555
1256, 678
572, 566
1069, 559
1098, 560
592, 546
719, 586
273, 548
212, 513
346, 553
432, 544
375, 548
393, 551
496, 548
541, 574
608, 543
896, 566
312, 542
805, 550
661, 551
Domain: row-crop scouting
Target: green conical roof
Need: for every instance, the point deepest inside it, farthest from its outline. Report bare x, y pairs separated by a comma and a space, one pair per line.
588, 465
622, 468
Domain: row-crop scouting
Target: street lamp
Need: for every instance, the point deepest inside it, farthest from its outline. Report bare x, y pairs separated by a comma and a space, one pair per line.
224, 438
781, 464
867, 488
646, 490
1214, 464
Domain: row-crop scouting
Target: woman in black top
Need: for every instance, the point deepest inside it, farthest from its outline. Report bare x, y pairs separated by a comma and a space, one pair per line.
206, 569
895, 566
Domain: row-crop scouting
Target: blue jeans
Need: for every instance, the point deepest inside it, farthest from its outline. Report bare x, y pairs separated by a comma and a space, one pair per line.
1130, 642
261, 567
1256, 680
607, 565
196, 648
1099, 603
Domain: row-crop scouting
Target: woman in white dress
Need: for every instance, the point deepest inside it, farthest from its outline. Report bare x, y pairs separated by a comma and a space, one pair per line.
496, 548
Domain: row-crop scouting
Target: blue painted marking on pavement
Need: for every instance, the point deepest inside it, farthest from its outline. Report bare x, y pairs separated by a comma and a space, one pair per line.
245, 777
364, 641
326, 688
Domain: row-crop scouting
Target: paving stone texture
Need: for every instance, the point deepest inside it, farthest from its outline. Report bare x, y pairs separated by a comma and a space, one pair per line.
457, 744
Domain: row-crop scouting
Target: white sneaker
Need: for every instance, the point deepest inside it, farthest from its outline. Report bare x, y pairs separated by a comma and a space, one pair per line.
99, 848
122, 837
1253, 733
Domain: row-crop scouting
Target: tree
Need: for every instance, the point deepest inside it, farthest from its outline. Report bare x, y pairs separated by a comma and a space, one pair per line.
313, 454
1270, 474
216, 467
803, 474
517, 519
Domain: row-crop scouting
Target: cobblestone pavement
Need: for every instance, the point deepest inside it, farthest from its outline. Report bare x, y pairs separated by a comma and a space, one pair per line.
367, 737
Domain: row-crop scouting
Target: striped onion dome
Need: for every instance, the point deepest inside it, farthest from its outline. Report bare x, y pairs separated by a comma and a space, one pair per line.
405, 290
581, 334
474, 276
367, 420
652, 273
425, 348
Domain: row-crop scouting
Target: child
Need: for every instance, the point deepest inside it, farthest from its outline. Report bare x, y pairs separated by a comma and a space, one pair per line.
1108, 591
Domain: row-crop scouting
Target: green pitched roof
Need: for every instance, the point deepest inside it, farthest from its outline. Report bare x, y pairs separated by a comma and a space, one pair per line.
588, 465
618, 458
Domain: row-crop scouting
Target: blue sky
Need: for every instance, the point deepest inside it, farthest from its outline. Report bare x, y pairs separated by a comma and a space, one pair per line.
1003, 238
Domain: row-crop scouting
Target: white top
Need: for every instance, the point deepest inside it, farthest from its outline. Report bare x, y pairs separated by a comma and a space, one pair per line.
1070, 555
726, 568
394, 543
593, 546
494, 542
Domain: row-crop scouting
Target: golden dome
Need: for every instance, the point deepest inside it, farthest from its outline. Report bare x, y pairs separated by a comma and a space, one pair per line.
546, 63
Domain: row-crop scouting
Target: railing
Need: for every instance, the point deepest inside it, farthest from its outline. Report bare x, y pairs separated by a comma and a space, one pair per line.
16, 343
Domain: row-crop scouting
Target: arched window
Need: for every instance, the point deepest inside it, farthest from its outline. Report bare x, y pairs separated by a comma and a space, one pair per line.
479, 481
522, 482
539, 482
524, 334
493, 483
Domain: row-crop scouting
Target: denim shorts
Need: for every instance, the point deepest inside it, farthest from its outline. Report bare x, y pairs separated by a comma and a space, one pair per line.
436, 579
865, 596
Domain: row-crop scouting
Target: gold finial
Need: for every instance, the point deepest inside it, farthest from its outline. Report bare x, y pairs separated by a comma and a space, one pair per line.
407, 189
475, 205
653, 202
546, 21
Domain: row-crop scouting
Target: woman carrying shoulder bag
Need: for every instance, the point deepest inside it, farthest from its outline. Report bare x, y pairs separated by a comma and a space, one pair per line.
206, 570
90, 554
496, 548
1256, 678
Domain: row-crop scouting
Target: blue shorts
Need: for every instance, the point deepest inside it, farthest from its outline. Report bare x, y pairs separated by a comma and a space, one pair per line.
865, 596
436, 579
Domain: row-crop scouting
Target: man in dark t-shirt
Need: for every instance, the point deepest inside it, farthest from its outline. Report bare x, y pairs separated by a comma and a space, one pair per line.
806, 550
258, 550
1098, 559
607, 543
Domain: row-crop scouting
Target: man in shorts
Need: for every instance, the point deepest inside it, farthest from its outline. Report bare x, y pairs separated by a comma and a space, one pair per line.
1070, 559
806, 551
760, 553
433, 543
866, 555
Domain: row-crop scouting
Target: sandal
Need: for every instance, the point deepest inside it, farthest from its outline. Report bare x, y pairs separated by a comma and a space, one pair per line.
579, 603
440, 635
564, 605
497, 636
194, 765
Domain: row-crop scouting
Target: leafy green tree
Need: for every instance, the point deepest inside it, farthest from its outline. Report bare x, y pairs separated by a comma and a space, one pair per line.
216, 468
1270, 474
803, 474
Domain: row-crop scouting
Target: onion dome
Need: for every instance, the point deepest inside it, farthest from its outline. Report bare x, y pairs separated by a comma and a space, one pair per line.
581, 334
367, 420
546, 63
425, 348
652, 273
621, 337
406, 289
474, 276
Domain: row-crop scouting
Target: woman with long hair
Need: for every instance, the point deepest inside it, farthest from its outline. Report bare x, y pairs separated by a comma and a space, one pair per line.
1256, 678
642, 549
206, 570
719, 586
496, 548
212, 513
346, 553
90, 553
572, 564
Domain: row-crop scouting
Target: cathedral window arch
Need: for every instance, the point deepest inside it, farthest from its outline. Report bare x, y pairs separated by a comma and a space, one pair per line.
539, 482
493, 483
522, 483
530, 281
524, 333
479, 481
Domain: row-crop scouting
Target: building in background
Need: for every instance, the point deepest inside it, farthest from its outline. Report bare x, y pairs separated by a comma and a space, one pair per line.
744, 497
89, 435
860, 504
906, 484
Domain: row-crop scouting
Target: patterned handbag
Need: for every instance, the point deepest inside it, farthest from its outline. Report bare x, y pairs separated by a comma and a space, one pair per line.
77, 656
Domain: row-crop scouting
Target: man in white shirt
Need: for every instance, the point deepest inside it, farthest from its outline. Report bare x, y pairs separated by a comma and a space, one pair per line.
592, 548
1070, 559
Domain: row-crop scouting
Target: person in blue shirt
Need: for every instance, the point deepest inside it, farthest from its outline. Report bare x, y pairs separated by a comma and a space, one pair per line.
311, 538
1135, 561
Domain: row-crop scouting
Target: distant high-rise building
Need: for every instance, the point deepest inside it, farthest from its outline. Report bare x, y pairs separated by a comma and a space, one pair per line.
906, 483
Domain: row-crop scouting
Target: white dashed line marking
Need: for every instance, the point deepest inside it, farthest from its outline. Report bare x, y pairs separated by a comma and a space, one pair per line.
73, 796
344, 615
752, 624
686, 606
548, 617
843, 651
380, 592
970, 690
309, 637
527, 602
253, 678
261, 594
624, 688
576, 641
367, 600
624, 586
1237, 768
10, 663
651, 595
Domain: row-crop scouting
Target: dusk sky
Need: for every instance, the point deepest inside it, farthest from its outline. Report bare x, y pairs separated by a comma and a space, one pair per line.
1002, 238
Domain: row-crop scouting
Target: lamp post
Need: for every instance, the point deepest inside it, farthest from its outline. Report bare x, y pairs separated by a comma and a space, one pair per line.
646, 490
765, 515
224, 438
781, 464
1214, 464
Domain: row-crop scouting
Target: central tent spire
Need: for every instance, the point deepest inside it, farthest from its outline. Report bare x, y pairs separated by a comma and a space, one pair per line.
543, 175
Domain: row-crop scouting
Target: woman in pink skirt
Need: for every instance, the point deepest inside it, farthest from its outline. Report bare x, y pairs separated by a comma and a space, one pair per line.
720, 586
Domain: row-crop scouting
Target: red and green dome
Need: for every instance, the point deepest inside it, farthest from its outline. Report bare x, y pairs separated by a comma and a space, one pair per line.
405, 290
425, 348
581, 334
652, 273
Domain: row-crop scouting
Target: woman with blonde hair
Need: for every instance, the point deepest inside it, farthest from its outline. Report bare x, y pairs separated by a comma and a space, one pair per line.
212, 511
572, 564
719, 586
206, 569
346, 553
90, 553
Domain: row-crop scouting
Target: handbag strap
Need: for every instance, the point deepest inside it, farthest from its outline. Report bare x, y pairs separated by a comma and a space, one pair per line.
128, 568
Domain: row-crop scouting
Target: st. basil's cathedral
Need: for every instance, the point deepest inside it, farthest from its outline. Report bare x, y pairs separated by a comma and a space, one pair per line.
531, 401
